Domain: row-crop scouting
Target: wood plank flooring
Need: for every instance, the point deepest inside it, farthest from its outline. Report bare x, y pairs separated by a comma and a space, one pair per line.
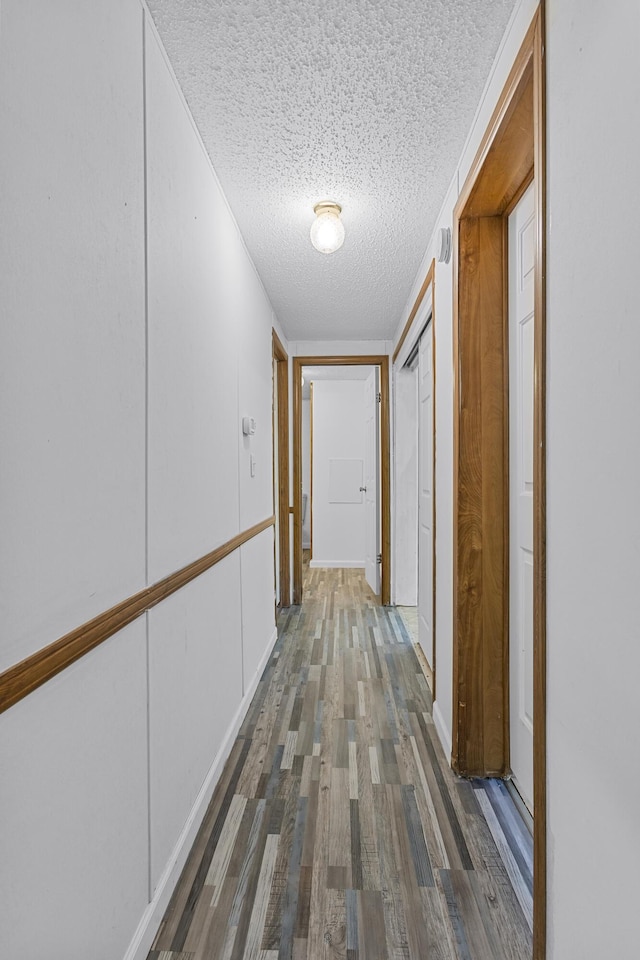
338, 829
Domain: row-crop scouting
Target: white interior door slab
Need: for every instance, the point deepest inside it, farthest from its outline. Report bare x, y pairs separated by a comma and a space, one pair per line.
371, 486
521, 353
425, 495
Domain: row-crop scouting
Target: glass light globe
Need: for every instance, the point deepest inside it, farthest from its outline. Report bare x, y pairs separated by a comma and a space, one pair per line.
327, 230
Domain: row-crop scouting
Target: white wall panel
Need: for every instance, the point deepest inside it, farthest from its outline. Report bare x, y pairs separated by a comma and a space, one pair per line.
194, 278
195, 688
251, 319
73, 808
72, 307
593, 543
333, 348
258, 611
443, 310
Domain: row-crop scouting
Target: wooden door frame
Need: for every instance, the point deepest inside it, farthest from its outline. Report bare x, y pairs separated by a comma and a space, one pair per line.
385, 462
281, 358
429, 283
510, 157
310, 504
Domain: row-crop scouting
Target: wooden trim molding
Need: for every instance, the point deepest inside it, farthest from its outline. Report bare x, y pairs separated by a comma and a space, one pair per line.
25, 677
310, 503
428, 280
278, 350
385, 462
282, 387
385, 470
297, 481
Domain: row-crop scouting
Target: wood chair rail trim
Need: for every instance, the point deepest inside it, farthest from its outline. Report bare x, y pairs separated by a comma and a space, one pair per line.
25, 677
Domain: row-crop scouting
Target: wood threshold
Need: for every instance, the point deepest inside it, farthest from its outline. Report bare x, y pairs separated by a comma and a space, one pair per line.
25, 677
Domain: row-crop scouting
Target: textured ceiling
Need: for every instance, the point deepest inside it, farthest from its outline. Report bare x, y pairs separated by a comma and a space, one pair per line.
367, 102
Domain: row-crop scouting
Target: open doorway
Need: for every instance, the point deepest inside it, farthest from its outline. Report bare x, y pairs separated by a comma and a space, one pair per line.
341, 469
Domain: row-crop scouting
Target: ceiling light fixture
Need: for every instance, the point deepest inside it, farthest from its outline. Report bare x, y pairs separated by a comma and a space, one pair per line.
327, 230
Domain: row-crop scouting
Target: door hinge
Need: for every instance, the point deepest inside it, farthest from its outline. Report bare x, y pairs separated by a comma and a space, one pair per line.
379, 558
379, 397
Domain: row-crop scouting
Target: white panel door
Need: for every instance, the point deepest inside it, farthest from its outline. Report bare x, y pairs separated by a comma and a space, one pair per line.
425, 495
521, 349
371, 487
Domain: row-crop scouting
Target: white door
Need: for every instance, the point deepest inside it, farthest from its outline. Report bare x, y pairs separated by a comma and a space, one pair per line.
425, 495
521, 350
371, 493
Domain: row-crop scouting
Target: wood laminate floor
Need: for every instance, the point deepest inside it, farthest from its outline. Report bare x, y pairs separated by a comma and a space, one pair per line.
338, 829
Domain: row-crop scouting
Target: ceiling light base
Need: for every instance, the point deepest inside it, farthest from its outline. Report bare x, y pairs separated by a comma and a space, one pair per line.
327, 230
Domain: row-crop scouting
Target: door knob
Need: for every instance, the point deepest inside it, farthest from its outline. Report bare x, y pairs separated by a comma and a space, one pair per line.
363, 489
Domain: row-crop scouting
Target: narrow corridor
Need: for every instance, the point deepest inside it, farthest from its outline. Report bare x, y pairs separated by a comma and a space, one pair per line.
338, 828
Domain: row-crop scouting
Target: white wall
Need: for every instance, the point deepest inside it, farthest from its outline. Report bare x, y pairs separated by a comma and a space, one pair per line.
593, 469
135, 336
338, 433
339, 348
72, 318
593, 528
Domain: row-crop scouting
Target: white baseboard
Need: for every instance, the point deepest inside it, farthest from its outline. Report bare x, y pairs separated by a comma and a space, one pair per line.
441, 729
334, 564
152, 916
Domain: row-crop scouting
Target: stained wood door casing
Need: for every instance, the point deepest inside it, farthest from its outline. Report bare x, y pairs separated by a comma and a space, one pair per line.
281, 469
480, 731
521, 481
425, 496
371, 485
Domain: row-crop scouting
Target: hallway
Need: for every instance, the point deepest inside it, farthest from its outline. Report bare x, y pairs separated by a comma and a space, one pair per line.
338, 828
